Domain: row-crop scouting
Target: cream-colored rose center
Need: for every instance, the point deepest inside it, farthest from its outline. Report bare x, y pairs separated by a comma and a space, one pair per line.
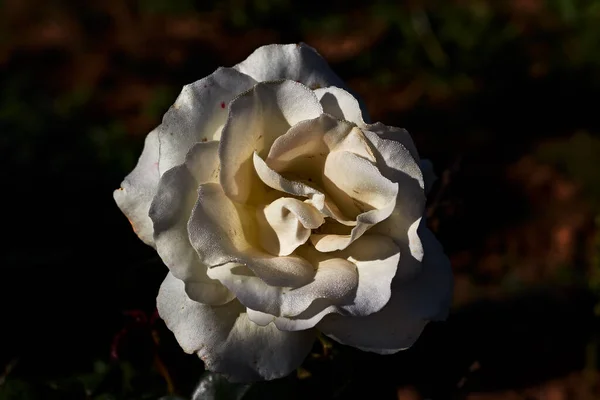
286, 224
331, 166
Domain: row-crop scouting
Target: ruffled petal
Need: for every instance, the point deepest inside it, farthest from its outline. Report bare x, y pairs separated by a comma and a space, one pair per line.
223, 232
303, 149
315, 197
340, 104
376, 259
249, 289
359, 190
327, 242
256, 119
286, 224
138, 189
259, 318
296, 62
170, 211
335, 283
199, 114
356, 185
413, 303
395, 134
397, 164
227, 341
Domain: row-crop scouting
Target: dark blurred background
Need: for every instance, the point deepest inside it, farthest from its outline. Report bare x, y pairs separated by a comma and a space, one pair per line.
501, 95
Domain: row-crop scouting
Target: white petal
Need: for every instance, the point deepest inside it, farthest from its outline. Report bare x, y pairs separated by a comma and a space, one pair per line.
354, 282
222, 232
413, 303
316, 198
308, 319
360, 190
249, 289
170, 212
198, 114
303, 149
333, 242
356, 184
138, 189
397, 164
256, 119
335, 283
227, 341
274, 180
286, 224
376, 259
340, 104
259, 318
297, 62
397, 135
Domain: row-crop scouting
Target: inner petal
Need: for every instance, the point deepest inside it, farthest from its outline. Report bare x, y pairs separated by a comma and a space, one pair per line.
365, 177
360, 190
355, 184
286, 224
222, 231
301, 152
315, 196
256, 118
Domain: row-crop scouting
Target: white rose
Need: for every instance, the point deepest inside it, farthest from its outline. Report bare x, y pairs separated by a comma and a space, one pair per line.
280, 212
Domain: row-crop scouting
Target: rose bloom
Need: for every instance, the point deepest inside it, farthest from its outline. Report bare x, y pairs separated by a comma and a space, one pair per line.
281, 212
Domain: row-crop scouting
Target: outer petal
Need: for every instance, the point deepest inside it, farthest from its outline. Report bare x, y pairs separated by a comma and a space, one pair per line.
198, 114
222, 232
413, 303
376, 259
340, 104
249, 289
397, 135
170, 211
256, 119
297, 62
227, 341
335, 283
397, 164
138, 189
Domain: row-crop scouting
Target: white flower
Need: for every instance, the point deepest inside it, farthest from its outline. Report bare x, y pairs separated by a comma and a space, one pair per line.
279, 211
